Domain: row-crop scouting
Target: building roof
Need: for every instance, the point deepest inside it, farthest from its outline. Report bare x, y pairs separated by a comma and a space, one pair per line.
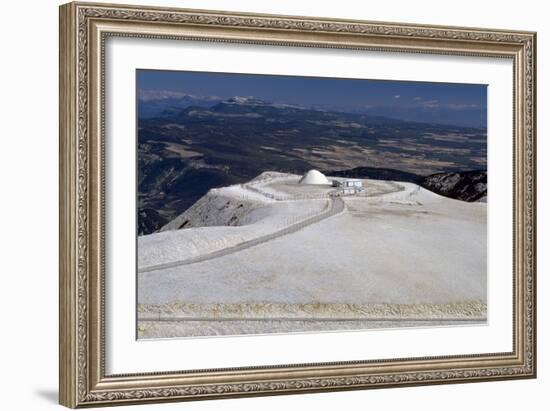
314, 177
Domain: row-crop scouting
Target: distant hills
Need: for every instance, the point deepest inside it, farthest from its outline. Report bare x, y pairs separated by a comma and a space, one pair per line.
153, 103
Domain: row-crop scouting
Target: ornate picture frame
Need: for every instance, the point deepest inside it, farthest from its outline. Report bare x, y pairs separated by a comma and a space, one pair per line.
84, 29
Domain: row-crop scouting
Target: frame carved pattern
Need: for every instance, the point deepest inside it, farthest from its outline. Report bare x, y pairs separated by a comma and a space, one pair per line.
85, 394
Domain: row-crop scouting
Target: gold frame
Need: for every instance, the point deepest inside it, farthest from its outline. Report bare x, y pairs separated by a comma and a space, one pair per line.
83, 30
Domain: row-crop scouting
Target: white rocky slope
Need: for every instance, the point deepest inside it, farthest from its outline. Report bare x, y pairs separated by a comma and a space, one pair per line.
399, 252
226, 217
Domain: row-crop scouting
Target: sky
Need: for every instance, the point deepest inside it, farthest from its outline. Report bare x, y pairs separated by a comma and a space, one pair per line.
463, 103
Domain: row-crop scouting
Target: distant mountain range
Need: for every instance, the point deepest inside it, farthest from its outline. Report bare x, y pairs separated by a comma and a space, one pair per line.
184, 152
376, 174
153, 103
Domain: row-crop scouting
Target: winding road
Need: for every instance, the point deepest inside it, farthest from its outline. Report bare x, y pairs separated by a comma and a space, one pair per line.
335, 206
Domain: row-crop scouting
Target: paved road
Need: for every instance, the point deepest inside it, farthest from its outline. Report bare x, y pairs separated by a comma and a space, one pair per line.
336, 206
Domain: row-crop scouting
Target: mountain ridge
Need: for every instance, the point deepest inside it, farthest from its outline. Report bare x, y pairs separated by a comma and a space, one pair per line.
152, 104
186, 152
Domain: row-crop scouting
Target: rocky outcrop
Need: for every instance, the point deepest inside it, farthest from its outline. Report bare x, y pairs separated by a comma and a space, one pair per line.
466, 185
149, 221
213, 209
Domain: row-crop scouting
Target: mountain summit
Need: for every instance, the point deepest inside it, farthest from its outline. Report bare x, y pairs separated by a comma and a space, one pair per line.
249, 100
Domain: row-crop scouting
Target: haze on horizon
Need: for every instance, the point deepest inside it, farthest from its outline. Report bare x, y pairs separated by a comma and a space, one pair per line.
440, 103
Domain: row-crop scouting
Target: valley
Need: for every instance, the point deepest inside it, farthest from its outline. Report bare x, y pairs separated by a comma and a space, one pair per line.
185, 152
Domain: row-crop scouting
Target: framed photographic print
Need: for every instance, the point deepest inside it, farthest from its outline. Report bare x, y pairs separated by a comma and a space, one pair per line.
258, 204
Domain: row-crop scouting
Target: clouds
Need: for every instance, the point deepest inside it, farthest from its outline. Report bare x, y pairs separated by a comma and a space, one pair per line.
151, 94
435, 104
397, 96
421, 102
430, 103
462, 106
147, 95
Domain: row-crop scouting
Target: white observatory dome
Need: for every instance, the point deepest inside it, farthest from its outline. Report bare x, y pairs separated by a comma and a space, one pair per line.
314, 177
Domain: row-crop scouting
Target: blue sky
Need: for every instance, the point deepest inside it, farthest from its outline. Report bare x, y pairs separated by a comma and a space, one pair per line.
465, 103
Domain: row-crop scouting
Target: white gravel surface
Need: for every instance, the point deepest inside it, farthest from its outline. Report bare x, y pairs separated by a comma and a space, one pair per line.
404, 245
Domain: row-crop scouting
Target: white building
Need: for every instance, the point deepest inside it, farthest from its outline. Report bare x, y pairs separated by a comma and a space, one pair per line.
349, 186
314, 177
352, 182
